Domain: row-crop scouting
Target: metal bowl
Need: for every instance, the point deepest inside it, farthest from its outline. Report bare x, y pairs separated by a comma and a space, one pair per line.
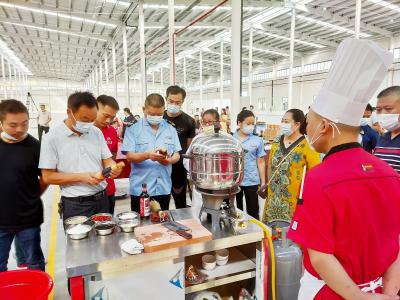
104, 228
128, 225
128, 215
78, 236
75, 220
104, 215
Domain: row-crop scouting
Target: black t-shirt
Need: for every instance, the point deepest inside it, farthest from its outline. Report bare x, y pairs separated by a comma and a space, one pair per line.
20, 203
185, 127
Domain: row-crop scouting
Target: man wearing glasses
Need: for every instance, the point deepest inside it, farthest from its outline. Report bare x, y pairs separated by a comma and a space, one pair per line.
186, 128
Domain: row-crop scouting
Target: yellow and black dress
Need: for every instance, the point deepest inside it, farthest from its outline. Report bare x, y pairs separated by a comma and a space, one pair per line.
284, 187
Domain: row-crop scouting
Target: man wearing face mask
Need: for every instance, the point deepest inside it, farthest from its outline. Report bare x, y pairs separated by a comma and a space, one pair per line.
186, 129
369, 137
21, 186
152, 146
344, 208
73, 156
388, 109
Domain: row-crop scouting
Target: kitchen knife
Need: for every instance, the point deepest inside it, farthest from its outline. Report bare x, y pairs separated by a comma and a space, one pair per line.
178, 230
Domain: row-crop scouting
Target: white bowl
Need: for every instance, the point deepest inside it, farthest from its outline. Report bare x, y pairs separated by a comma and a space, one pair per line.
222, 262
222, 254
209, 262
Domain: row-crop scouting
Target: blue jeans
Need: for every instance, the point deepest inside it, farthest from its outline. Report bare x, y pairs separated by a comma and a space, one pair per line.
29, 240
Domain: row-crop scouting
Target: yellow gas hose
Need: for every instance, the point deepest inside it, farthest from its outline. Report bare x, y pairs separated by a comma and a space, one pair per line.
267, 235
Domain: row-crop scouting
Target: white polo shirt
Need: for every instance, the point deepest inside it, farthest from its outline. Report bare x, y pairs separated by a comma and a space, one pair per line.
65, 151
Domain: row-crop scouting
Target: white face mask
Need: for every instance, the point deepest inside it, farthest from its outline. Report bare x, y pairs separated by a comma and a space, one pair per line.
248, 129
286, 129
208, 129
6, 136
154, 120
390, 122
311, 141
365, 122
173, 109
82, 127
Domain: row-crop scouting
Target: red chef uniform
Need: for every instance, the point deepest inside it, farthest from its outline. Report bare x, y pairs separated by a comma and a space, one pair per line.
111, 137
351, 209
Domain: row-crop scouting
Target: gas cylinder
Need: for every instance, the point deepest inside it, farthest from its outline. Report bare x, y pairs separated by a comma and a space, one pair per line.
289, 262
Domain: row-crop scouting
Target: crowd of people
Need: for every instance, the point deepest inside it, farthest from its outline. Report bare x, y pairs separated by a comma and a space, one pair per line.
74, 153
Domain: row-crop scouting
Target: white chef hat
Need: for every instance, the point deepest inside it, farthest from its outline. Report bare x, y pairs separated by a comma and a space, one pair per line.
356, 73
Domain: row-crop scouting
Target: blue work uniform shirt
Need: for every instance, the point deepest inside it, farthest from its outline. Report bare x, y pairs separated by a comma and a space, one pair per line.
254, 148
140, 138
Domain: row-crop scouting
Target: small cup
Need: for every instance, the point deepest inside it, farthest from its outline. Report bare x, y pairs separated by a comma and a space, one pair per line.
209, 262
222, 262
222, 254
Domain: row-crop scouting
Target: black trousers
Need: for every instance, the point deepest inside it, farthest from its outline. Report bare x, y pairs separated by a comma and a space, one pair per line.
84, 206
111, 204
162, 199
179, 184
250, 192
42, 129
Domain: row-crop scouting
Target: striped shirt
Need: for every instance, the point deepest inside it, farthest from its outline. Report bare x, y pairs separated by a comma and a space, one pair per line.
388, 150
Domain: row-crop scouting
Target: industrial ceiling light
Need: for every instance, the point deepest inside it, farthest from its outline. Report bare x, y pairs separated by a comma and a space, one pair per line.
268, 51
266, 33
118, 2
56, 14
55, 31
200, 7
12, 58
386, 4
329, 25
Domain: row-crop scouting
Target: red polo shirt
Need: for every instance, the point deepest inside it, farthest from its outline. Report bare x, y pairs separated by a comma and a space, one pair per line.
111, 137
351, 209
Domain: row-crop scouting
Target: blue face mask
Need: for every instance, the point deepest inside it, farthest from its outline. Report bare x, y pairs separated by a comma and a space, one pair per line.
173, 109
82, 127
248, 129
154, 120
286, 129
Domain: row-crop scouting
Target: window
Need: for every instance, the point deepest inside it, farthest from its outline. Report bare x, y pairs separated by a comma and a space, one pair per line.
396, 53
317, 67
285, 103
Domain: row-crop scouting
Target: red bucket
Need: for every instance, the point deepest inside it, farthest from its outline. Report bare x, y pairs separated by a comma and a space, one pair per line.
24, 284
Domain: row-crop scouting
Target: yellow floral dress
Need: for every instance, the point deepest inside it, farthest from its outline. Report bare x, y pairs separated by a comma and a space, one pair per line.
284, 188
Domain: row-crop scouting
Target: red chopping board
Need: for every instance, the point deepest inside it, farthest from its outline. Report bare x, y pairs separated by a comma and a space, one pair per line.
157, 237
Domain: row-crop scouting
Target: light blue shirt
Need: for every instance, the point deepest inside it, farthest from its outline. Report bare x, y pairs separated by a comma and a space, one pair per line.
140, 138
254, 148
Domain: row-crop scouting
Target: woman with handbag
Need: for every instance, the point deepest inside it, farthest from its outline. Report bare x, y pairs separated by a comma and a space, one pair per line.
289, 158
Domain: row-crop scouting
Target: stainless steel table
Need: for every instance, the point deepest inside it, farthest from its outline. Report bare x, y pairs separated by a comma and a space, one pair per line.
98, 261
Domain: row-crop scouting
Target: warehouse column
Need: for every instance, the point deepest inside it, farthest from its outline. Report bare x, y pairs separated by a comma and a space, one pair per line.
4, 77
161, 88
185, 104
201, 78
291, 59
357, 19
171, 31
154, 82
106, 70
97, 80
126, 69
142, 54
15, 83
114, 66
100, 78
236, 59
9, 78
221, 74
250, 75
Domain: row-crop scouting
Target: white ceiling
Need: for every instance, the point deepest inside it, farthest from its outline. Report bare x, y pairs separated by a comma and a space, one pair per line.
67, 38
